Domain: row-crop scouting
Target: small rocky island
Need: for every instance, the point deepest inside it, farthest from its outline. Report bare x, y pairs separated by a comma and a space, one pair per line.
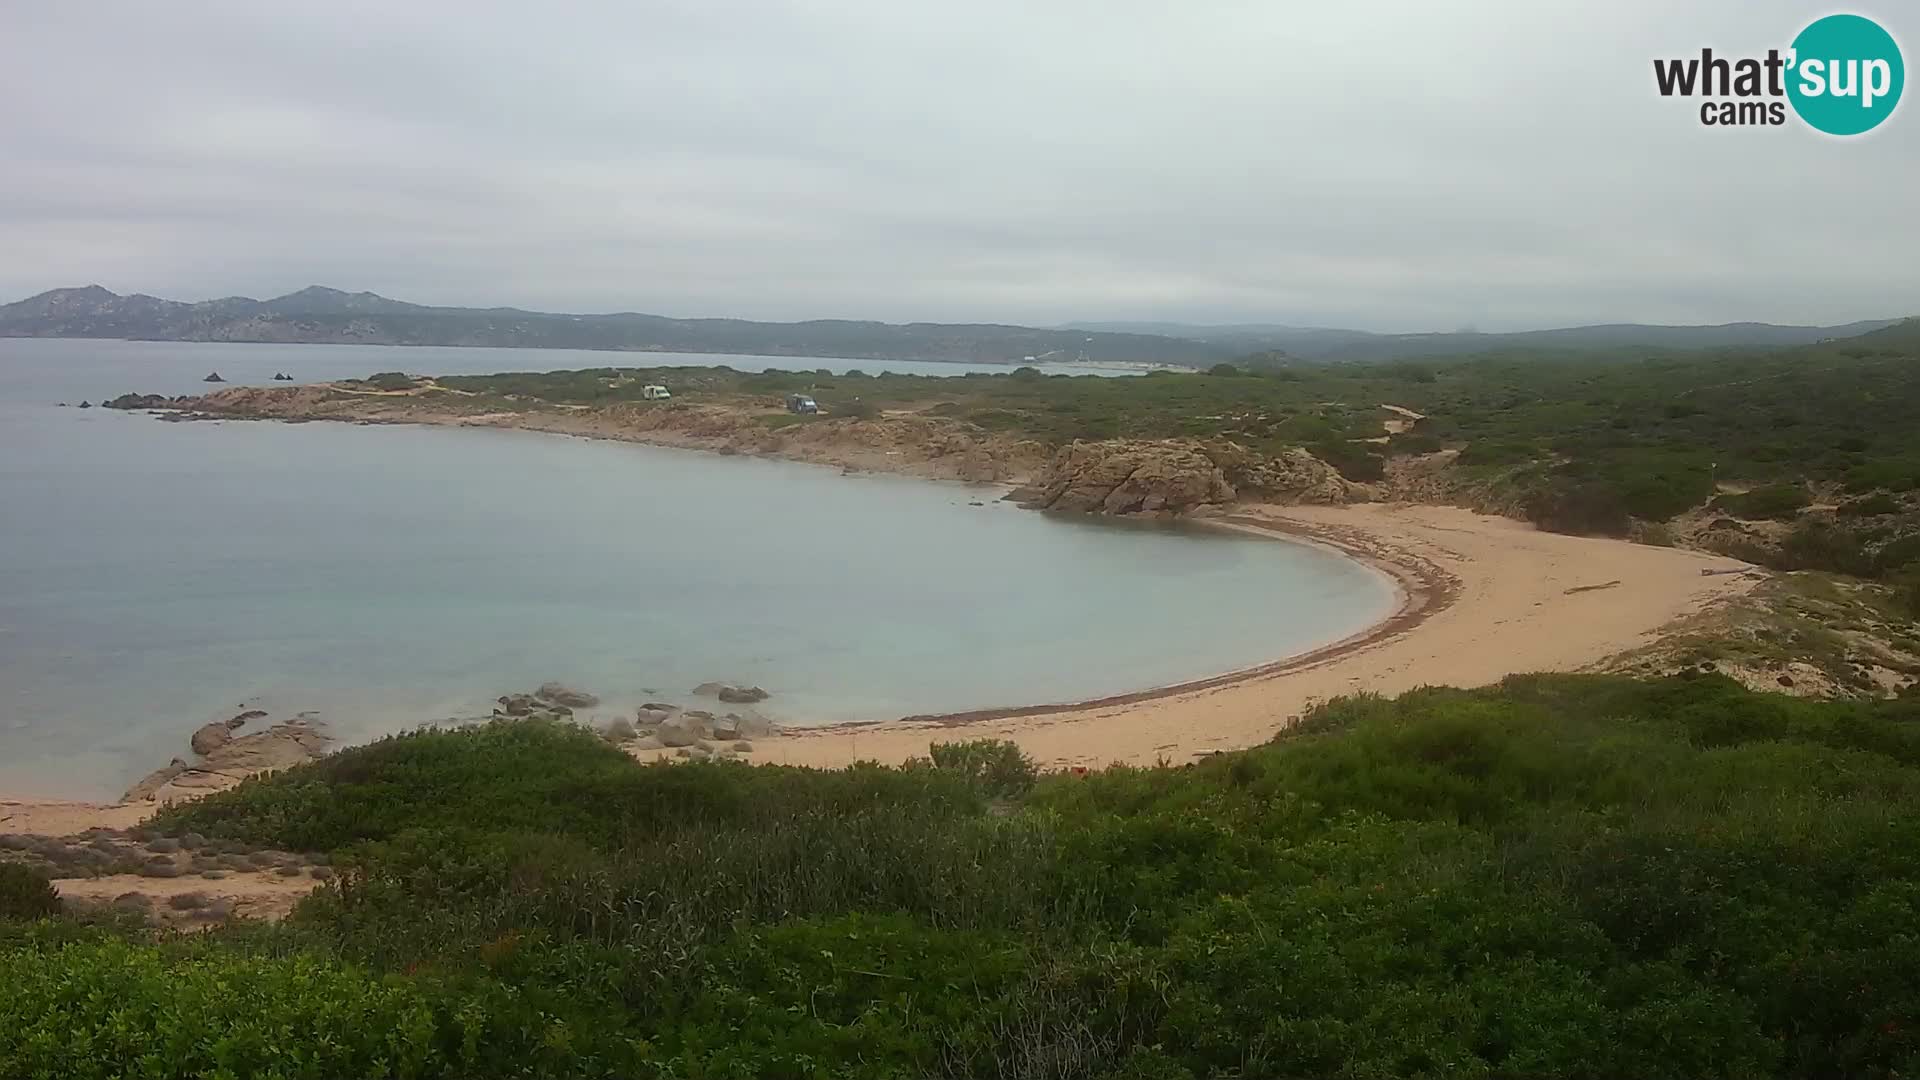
213, 376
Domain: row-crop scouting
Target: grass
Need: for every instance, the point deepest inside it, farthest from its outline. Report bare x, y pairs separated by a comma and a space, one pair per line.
1558, 876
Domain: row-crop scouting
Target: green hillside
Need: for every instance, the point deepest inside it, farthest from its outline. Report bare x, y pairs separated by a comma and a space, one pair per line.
1575, 876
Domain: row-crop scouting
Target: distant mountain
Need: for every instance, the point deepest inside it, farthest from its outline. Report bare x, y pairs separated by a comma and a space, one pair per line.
1316, 343
319, 314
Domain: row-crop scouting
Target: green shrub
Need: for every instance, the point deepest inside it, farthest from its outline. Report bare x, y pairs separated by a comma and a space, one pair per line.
1779, 501
1871, 506
391, 380
996, 766
1579, 508
1557, 876
26, 893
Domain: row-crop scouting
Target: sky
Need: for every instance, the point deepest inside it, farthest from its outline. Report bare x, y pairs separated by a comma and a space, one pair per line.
1389, 165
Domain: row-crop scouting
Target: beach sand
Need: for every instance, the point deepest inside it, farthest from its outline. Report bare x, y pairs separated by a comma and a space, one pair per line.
1487, 597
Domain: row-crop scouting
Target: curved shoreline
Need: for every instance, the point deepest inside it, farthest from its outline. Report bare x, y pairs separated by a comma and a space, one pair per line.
1409, 544
1422, 590
1516, 600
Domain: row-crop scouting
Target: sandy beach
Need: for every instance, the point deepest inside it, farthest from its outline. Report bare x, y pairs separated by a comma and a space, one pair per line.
1510, 599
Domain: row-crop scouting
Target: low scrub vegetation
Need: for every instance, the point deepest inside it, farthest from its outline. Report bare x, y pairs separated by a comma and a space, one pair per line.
1588, 442
1558, 876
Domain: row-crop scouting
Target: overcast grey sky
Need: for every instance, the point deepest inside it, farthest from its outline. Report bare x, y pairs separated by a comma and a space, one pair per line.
1384, 164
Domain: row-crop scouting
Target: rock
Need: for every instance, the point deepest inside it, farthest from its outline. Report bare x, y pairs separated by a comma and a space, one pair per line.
234, 759
321, 873
138, 401
151, 784
742, 747
709, 689
192, 841
558, 694
133, 901
619, 731
212, 874
742, 695
1130, 476
250, 714
727, 728
651, 717
163, 844
213, 376
648, 742
1785, 680
211, 737
160, 867
677, 733
751, 725
1291, 476
86, 404
659, 707
518, 704
290, 870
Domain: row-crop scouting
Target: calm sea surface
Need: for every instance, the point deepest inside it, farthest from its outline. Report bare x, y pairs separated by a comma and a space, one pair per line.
157, 575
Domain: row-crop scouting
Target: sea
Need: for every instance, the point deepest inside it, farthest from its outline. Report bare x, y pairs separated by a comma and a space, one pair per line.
155, 576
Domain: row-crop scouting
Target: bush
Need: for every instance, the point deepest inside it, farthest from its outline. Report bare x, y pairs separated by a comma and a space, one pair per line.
26, 893
1224, 371
1871, 506
1577, 508
1778, 501
391, 380
1555, 876
997, 767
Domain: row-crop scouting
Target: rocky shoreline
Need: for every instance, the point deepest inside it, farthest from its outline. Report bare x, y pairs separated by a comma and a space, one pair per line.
1119, 477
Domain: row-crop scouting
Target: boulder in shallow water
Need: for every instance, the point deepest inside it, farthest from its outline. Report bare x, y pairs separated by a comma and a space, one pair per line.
742, 695
560, 694
211, 737
518, 704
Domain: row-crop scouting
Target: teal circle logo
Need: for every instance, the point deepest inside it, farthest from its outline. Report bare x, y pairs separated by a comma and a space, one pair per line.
1846, 75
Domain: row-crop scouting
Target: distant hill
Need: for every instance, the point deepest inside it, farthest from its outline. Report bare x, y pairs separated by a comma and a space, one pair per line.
318, 314
1317, 343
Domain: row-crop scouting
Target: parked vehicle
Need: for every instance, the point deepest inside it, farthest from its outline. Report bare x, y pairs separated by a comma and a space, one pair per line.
655, 393
801, 404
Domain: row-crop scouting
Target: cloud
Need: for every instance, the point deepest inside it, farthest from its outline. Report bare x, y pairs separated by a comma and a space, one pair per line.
1389, 165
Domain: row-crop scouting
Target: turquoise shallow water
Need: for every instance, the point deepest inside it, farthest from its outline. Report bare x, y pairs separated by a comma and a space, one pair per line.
156, 575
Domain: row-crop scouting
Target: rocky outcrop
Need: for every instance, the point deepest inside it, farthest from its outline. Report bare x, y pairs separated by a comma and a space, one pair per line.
141, 401
742, 695
213, 376
555, 693
1171, 477
232, 760
1292, 476
210, 737
1127, 476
